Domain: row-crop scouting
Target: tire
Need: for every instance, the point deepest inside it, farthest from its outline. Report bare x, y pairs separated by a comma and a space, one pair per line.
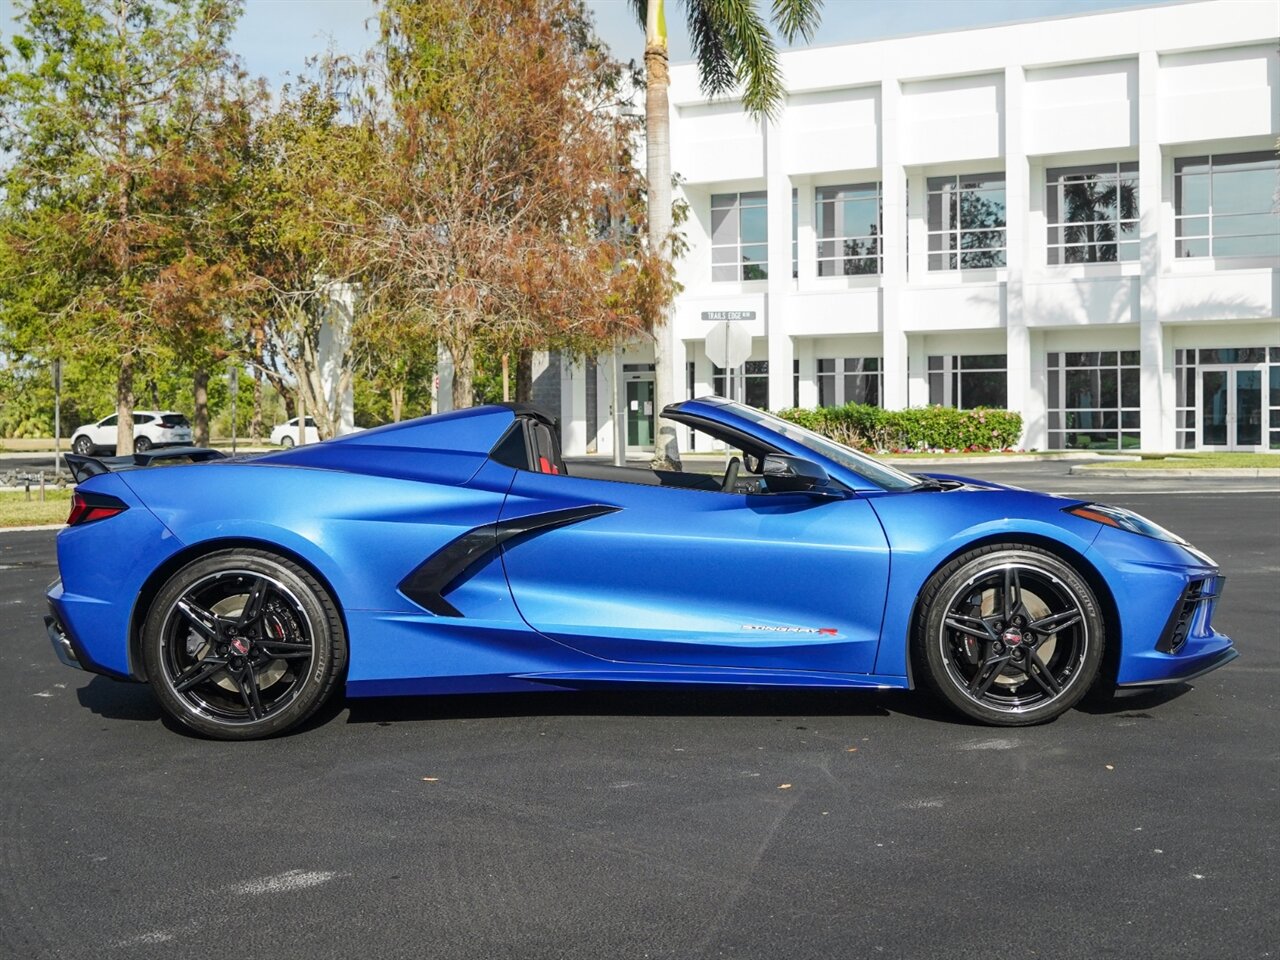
1009, 635
82, 445
242, 645
142, 445
286, 441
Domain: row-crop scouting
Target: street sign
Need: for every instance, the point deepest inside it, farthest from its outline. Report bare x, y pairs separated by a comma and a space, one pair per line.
233, 381
722, 316
56, 369
728, 345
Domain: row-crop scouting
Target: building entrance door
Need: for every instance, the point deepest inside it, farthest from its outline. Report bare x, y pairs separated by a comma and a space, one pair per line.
1233, 415
640, 413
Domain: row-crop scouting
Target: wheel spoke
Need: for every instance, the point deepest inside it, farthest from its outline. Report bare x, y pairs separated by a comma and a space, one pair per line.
198, 672
987, 674
1041, 675
965, 624
205, 622
1012, 593
253, 606
1056, 621
247, 682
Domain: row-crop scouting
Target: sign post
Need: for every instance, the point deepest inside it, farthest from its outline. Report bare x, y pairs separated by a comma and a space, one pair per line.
57, 416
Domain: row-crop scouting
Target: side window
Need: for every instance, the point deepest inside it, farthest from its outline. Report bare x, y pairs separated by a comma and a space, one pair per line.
109, 422
140, 418
311, 421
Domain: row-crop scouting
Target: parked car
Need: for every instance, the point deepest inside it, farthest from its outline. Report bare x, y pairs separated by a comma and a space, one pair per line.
461, 553
286, 434
151, 428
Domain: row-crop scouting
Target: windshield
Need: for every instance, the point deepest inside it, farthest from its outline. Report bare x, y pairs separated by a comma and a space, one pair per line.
880, 473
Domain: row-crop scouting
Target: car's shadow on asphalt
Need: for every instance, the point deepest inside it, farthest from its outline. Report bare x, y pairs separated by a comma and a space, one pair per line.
117, 700
645, 703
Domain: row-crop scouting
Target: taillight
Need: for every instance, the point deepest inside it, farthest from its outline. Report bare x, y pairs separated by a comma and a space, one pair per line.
87, 507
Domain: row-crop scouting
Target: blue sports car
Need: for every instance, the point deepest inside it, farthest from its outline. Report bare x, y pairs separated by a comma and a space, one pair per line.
460, 553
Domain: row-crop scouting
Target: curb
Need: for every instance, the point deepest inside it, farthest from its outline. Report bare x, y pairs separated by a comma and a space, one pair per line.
45, 526
1248, 473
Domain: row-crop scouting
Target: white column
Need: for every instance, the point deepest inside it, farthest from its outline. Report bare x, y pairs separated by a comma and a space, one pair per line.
893, 180
1157, 422
778, 299
808, 371
1017, 202
806, 235
573, 407
443, 400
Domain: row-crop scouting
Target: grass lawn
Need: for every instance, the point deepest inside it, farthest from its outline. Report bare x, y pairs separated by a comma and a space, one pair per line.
1192, 460
17, 511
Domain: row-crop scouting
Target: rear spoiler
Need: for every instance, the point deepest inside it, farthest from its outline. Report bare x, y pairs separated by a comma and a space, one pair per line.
82, 467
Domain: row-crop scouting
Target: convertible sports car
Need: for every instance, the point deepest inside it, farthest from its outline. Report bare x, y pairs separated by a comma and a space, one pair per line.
460, 553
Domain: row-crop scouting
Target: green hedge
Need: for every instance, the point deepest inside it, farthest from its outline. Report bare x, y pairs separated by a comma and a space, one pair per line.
920, 428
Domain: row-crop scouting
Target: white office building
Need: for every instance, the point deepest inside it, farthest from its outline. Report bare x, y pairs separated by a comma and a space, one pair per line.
1072, 218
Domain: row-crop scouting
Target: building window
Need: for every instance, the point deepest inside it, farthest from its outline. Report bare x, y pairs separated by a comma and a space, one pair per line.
966, 381
1095, 400
850, 380
1225, 205
795, 383
1092, 213
748, 383
739, 236
848, 220
966, 222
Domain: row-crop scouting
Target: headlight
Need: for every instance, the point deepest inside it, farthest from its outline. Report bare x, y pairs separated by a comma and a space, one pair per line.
1125, 520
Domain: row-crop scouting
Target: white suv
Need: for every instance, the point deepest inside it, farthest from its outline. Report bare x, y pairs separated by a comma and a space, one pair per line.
286, 434
151, 428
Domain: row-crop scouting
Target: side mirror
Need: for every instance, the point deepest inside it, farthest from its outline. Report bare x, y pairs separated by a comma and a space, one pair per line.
785, 474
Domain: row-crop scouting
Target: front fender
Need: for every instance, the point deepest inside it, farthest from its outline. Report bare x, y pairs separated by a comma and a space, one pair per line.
926, 530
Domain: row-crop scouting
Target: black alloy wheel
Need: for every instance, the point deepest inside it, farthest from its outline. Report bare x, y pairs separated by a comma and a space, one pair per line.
243, 644
1010, 635
142, 444
83, 446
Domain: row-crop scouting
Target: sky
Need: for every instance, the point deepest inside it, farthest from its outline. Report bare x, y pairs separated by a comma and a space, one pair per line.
275, 37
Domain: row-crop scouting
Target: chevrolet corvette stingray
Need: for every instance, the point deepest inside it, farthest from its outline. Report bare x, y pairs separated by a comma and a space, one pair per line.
460, 553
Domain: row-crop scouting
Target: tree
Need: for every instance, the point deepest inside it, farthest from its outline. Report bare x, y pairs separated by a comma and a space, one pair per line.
504, 165
304, 166
732, 46
93, 110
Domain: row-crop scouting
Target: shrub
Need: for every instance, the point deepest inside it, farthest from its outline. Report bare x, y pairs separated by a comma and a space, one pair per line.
920, 428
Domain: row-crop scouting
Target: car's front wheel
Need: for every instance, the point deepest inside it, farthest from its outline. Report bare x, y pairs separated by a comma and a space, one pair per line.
82, 445
1009, 635
242, 644
286, 441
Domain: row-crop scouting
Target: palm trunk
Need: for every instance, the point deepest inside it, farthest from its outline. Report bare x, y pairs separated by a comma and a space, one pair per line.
666, 451
124, 406
464, 391
524, 376
397, 403
200, 397
255, 419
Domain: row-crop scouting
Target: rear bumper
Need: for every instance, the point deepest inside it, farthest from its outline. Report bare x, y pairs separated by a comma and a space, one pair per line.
62, 645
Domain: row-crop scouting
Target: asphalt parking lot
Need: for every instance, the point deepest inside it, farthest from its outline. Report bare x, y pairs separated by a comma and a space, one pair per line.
672, 825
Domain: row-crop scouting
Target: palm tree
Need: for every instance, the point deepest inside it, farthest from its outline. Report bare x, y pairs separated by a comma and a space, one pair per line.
732, 45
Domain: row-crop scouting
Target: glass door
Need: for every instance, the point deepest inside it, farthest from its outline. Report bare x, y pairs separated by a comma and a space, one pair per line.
640, 414
1232, 413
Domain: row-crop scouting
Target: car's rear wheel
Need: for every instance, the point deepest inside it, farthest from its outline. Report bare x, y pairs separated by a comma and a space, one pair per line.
142, 444
1009, 635
83, 446
242, 644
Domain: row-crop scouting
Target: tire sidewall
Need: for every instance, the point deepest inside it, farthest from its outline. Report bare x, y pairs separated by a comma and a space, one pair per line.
929, 640
330, 644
